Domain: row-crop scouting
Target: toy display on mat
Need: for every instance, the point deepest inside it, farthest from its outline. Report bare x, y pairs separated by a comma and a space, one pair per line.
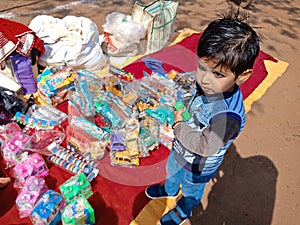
29, 194
80, 212
30, 165
47, 210
76, 187
73, 163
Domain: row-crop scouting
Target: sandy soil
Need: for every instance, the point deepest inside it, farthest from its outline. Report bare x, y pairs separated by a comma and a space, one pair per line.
258, 181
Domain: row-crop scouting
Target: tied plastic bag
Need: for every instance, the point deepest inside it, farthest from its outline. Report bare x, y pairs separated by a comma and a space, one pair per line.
122, 35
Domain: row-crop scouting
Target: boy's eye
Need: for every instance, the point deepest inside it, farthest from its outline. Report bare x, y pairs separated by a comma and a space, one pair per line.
218, 75
201, 67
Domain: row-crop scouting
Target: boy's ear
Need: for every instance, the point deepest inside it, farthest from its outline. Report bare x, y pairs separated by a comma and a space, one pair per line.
243, 77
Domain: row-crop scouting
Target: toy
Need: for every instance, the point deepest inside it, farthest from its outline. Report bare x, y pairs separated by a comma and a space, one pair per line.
47, 209
29, 194
89, 128
120, 73
123, 158
79, 212
185, 114
76, 186
114, 85
54, 82
118, 141
78, 140
105, 109
146, 103
163, 113
49, 113
42, 140
185, 80
32, 122
30, 165
13, 148
73, 163
148, 140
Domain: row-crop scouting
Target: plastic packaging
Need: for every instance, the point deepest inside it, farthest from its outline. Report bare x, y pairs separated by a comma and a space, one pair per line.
47, 210
30, 165
29, 194
80, 212
76, 186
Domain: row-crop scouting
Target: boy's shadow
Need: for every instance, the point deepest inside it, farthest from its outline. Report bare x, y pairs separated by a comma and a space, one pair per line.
243, 192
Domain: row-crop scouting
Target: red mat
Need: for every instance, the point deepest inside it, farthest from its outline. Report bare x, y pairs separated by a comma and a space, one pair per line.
119, 192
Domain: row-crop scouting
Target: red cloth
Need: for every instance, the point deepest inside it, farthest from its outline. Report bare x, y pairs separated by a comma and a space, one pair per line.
17, 36
119, 192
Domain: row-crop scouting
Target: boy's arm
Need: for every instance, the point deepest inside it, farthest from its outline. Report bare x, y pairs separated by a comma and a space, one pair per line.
211, 139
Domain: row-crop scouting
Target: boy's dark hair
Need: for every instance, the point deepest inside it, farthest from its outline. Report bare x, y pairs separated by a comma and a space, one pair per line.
231, 43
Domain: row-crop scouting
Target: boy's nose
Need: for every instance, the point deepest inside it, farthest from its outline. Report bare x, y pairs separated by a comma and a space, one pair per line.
205, 79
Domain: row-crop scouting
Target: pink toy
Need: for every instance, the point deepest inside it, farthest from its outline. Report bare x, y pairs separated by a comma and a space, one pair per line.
30, 193
14, 147
32, 165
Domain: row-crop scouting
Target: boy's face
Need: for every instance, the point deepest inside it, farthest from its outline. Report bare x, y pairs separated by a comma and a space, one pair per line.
214, 80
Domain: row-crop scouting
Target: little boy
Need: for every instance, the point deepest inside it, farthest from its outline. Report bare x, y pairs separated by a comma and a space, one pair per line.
227, 50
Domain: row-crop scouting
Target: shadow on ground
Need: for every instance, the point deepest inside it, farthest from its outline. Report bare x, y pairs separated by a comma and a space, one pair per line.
243, 192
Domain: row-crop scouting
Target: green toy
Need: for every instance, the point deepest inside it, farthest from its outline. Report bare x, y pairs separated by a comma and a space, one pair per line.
185, 115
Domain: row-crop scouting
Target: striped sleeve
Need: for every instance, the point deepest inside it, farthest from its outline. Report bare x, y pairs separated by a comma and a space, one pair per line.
210, 139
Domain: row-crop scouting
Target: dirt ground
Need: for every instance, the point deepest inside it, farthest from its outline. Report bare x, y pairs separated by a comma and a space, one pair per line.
258, 182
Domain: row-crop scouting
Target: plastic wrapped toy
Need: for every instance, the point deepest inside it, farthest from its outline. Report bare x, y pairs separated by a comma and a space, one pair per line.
47, 210
30, 165
7, 129
76, 186
105, 109
74, 163
29, 194
118, 141
54, 82
13, 148
43, 140
49, 112
88, 145
79, 212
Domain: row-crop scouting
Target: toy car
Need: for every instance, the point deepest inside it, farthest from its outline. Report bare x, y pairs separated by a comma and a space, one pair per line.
146, 103
118, 141
104, 108
123, 158
163, 114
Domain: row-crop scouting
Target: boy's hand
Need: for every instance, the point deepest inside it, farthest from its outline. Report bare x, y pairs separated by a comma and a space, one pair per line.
178, 115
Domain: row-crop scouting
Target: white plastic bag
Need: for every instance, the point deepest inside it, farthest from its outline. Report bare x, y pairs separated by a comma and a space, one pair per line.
124, 29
